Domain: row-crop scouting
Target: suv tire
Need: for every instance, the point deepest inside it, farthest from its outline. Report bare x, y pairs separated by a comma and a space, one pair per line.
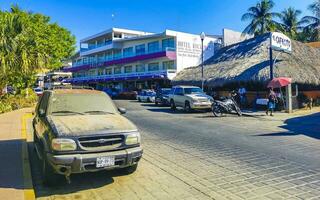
139, 99
172, 105
130, 169
50, 178
187, 106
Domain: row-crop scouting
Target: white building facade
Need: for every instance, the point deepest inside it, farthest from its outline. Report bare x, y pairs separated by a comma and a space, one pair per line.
128, 59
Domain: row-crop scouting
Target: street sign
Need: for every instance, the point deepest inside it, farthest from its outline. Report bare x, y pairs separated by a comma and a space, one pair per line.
281, 42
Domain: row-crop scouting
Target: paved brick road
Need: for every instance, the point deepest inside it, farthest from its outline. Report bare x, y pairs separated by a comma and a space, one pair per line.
195, 156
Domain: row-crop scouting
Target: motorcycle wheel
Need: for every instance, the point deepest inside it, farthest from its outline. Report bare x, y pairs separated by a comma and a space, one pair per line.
238, 111
216, 111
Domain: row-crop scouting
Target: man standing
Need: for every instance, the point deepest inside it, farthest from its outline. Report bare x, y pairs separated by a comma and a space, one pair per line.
272, 102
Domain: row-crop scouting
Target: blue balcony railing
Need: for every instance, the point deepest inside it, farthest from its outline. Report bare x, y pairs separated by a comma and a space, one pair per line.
119, 56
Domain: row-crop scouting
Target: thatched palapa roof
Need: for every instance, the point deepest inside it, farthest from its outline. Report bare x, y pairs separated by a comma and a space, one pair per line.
249, 61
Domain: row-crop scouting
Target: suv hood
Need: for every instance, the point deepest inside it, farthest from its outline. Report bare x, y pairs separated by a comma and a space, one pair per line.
79, 125
198, 96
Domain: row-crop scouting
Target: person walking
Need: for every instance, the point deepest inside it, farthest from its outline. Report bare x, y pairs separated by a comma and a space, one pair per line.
243, 96
272, 102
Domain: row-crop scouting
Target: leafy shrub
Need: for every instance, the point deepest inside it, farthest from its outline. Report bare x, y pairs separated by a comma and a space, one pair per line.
9, 102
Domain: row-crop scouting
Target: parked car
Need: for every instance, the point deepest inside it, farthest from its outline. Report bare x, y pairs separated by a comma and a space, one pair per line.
146, 96
162, 96
87, 135
128, 95
112, 92
38, 91
189, 98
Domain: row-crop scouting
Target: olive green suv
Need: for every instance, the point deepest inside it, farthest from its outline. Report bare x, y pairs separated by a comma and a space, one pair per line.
80, 130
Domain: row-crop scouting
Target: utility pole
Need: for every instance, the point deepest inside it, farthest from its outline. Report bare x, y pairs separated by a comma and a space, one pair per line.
271, 58
202, 36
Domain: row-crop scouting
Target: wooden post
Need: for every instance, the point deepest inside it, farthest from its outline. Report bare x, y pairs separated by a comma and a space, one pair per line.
289, 98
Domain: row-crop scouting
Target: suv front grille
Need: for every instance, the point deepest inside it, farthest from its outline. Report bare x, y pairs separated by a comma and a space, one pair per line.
111, 141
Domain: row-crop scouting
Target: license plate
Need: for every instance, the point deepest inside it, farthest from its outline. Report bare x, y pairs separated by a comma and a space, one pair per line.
105, 161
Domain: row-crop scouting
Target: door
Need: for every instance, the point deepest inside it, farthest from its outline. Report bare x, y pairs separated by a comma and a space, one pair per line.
41, 112
178, 97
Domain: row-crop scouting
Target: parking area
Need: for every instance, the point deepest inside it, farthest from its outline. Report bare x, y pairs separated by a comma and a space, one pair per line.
198, 156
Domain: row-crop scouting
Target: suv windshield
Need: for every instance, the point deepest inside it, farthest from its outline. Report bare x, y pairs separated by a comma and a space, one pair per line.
192, 90
81, 104
165, 91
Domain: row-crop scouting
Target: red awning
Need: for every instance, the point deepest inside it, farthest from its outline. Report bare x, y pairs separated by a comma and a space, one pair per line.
279, 82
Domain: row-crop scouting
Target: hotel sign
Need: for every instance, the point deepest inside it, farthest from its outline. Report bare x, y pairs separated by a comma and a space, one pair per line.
280, 42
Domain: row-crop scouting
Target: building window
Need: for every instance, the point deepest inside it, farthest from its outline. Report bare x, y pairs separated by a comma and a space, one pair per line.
91, 72
168, 65
140, 49
153, 66
100, 72
85, 60
117, 54
128, 69
127, 52
140, 68
153, 46
168, 43
101, 58
109, 55
117, 35
108, 71
117, 70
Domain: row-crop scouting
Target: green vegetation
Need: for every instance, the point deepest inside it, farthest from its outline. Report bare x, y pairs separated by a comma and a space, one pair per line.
29, 42
12, 102
263, 20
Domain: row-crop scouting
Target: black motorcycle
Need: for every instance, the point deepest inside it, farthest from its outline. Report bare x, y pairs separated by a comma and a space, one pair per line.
227, 105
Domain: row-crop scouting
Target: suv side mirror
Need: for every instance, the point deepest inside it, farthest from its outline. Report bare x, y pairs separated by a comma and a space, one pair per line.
122, 110
41, 112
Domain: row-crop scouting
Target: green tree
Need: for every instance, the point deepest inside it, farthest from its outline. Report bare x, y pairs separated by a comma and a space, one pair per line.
29, 42
313, 22
289, 22
261, 18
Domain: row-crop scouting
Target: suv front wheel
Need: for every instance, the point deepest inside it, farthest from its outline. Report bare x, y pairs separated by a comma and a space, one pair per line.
50, 178
172, 105
187, 106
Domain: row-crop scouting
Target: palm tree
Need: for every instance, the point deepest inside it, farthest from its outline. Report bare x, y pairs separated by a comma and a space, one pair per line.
313, 22
261, 17
290, 22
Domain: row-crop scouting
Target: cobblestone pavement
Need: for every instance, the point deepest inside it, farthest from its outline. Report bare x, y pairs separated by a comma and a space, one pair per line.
196, 156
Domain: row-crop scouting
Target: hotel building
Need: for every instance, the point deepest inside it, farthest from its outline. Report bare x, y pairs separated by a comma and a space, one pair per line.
128, 59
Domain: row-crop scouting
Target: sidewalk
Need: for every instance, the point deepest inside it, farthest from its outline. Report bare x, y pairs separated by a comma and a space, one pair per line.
281, 115
15, 180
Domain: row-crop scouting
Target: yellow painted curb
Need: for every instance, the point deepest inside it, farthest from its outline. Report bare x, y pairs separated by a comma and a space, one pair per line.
27, 179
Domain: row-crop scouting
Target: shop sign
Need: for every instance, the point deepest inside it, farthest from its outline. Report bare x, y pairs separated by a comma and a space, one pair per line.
280, 42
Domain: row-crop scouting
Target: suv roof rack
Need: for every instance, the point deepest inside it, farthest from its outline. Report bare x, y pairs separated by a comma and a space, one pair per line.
71, 87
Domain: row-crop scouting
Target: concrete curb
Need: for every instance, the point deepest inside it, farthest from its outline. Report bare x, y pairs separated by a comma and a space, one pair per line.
29, 193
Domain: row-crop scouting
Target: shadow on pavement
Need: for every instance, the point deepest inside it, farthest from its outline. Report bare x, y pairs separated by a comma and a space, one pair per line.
308, 125
11, 171
177, 111
79, 182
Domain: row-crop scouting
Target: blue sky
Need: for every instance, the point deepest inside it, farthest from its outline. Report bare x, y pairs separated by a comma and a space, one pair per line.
86, 17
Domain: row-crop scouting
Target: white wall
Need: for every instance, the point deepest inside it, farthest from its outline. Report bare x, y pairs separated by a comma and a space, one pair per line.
189, 49
232, 37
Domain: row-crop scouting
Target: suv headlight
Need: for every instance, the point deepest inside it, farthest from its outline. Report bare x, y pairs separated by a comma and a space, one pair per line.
62, 144
133, 138
195, 101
